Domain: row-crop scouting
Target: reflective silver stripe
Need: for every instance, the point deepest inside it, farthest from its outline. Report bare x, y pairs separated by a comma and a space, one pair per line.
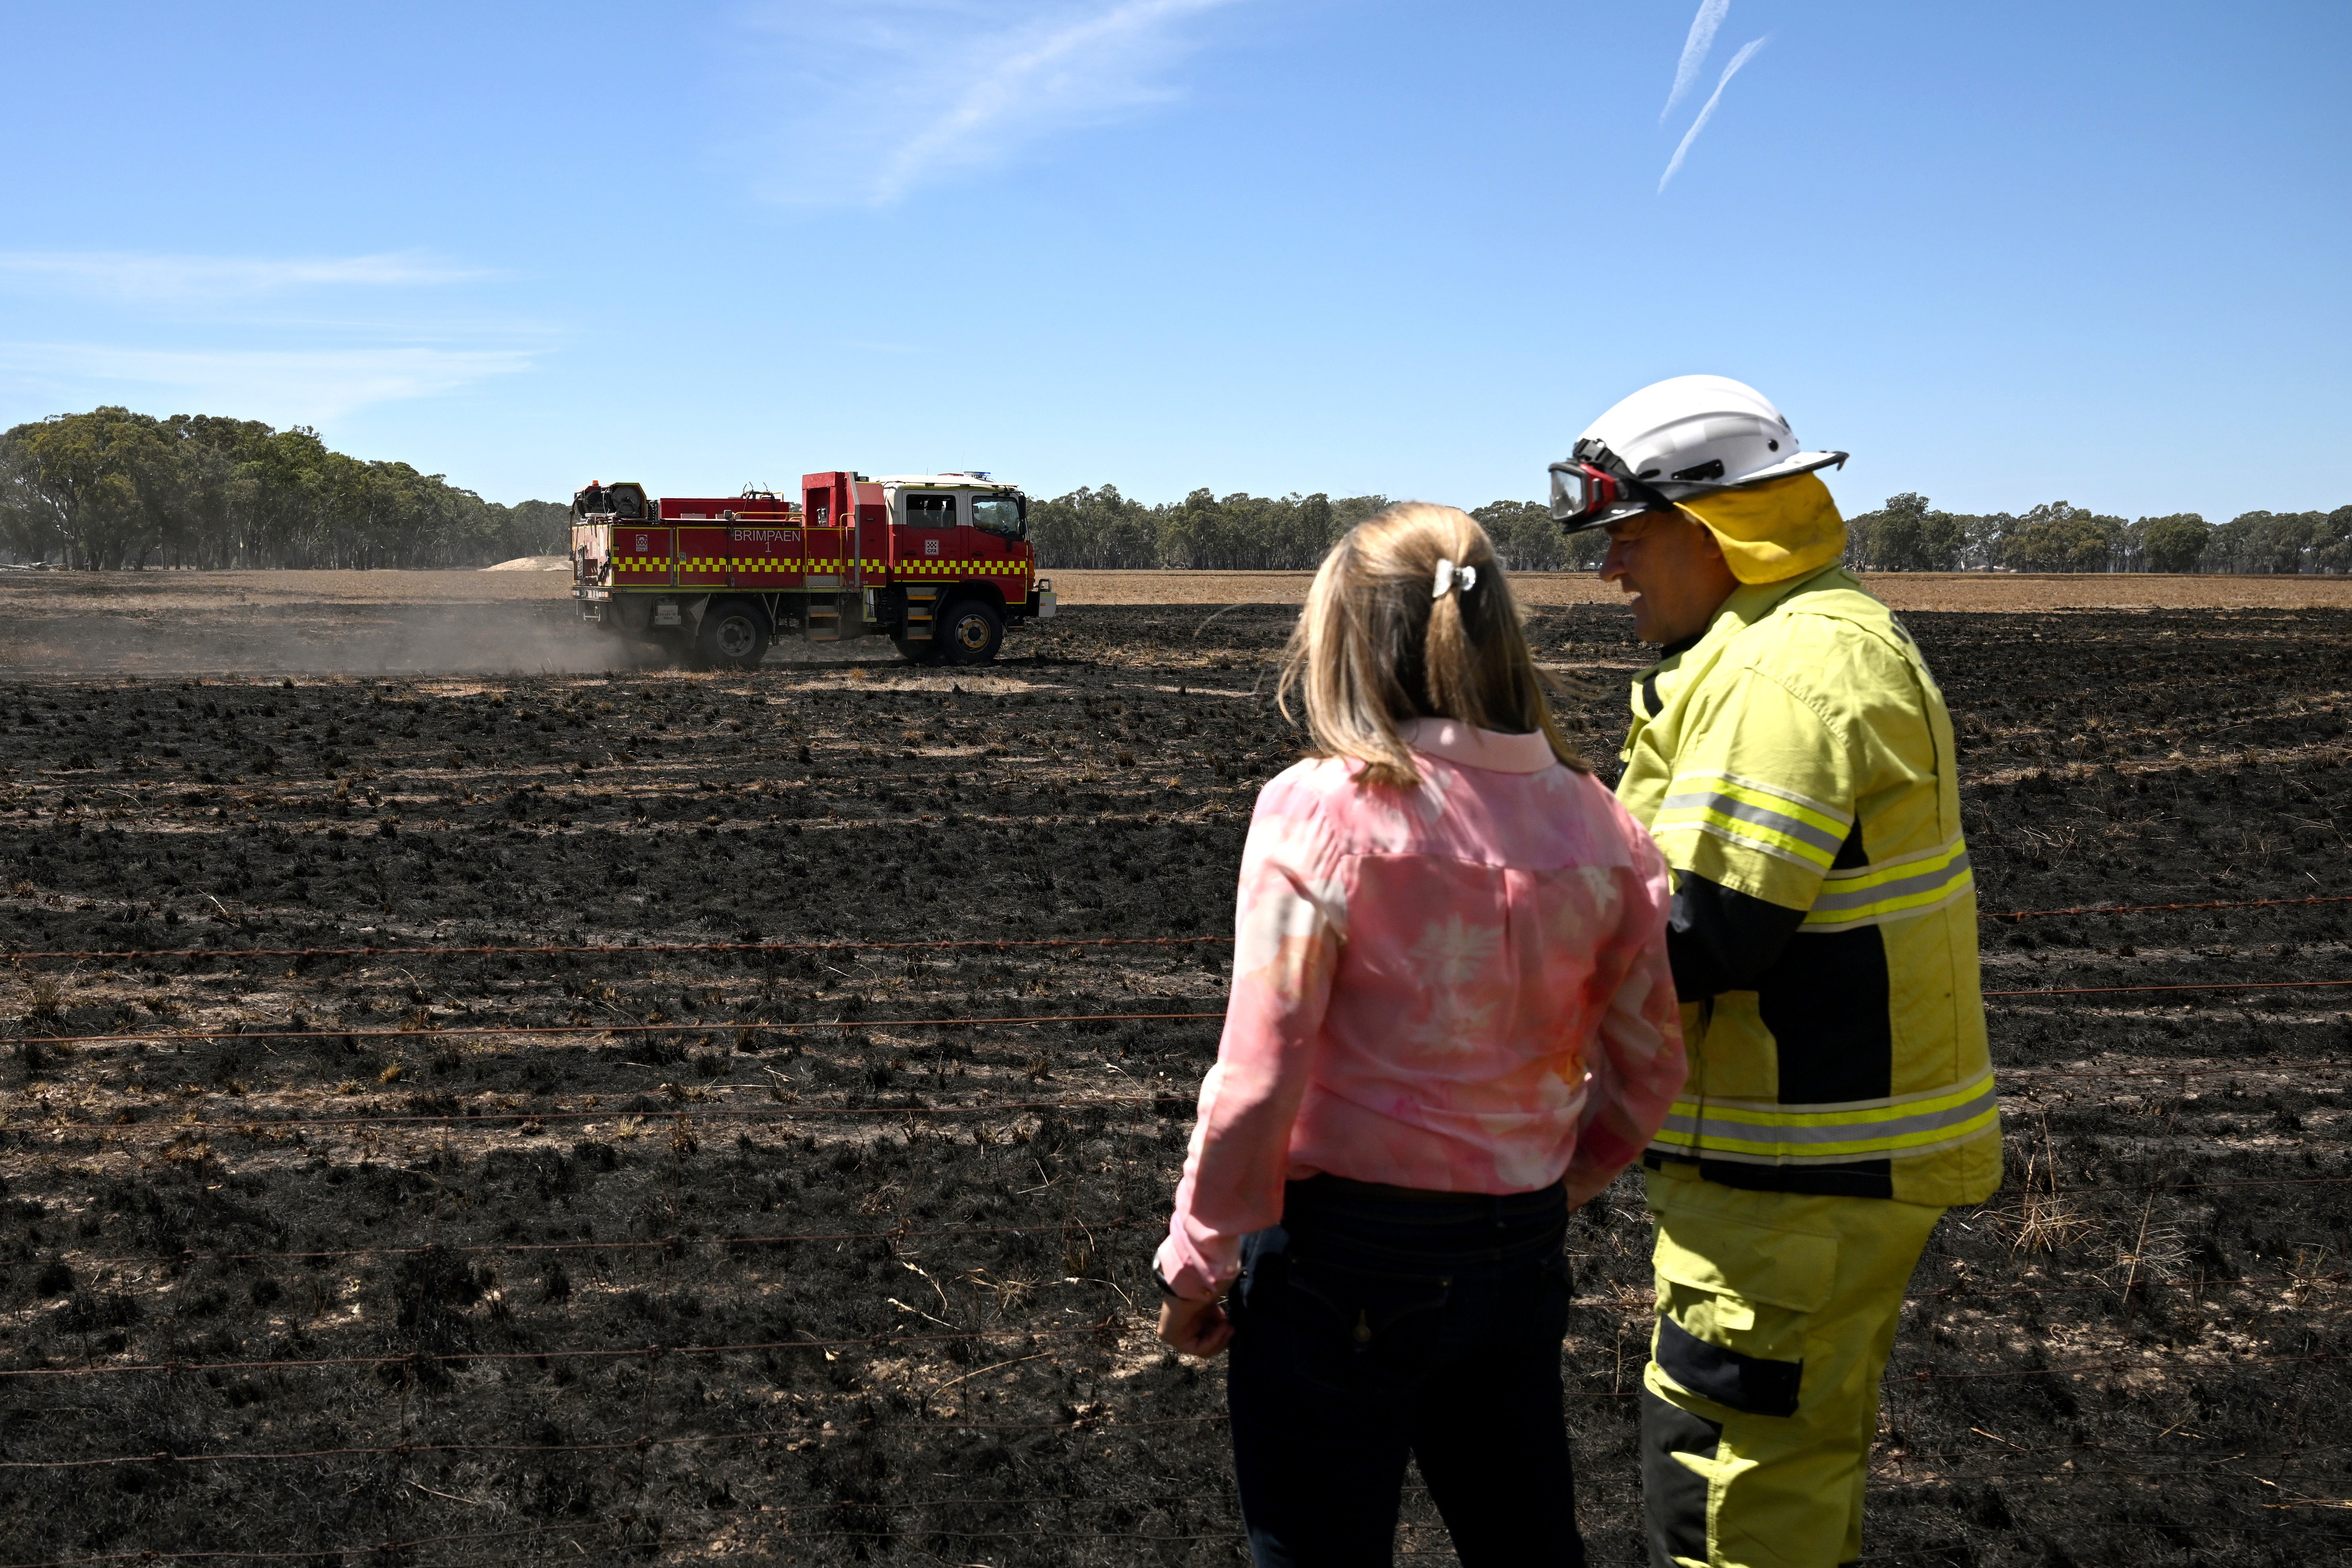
1715, 805
1891, 890
1754, 1133
1736, 1157
1862, 898
1830, 903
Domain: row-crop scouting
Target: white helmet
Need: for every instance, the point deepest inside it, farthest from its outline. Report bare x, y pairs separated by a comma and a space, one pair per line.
1675, 438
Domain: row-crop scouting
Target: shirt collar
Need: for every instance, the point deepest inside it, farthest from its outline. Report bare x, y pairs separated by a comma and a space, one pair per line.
1472, 748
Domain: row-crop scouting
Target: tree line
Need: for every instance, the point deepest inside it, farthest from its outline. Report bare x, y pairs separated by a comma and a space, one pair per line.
1910, 534
1102, 527
111, 489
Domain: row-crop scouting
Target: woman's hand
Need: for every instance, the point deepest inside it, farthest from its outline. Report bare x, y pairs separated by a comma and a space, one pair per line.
1196, 1328
1583, 1186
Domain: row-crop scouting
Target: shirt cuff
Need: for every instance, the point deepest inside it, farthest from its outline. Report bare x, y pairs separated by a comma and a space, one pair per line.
1180, 1279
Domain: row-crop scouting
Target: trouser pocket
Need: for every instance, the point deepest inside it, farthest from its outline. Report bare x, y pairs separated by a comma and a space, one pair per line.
1369, 1313
1737, 1302
1759, 1386
1348, 1332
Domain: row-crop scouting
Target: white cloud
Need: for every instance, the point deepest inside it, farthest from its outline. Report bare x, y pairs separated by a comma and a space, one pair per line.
1707, 112
1694, 48
895, 94
162, 279
284, 386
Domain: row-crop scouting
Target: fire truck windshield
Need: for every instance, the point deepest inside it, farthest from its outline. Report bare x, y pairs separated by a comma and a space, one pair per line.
997, 514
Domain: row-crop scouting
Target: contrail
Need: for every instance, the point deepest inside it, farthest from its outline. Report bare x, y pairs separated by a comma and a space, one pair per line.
1702, 38
1716, 96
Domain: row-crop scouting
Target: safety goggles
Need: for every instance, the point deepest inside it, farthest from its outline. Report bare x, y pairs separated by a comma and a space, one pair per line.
1594, 489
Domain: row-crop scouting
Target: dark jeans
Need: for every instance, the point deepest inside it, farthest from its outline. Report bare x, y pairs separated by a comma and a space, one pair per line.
1372, 1324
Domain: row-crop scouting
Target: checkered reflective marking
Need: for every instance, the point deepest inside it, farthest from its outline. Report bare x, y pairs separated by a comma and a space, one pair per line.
751, 562
919, 567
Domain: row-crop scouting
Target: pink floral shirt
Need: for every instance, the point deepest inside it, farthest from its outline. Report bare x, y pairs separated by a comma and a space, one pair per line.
1461, 988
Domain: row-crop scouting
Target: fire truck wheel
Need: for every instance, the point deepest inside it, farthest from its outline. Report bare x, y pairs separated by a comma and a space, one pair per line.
734, 634
669, 646
969, 632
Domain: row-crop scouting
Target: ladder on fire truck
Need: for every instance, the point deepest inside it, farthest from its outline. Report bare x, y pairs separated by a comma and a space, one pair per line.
922, 603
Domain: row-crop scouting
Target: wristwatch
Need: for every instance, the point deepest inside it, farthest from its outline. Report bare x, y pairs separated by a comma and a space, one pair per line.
1161, 1280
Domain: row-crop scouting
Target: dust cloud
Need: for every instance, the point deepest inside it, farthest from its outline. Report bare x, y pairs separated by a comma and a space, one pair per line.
298, 623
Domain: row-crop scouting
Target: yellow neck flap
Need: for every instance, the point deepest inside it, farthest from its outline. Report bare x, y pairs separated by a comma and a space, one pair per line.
1775, 530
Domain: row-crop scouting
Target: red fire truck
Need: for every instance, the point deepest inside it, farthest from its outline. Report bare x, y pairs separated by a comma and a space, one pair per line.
936, 563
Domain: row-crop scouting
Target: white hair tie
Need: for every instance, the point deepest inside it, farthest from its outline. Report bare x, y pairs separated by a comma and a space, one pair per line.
1448, 574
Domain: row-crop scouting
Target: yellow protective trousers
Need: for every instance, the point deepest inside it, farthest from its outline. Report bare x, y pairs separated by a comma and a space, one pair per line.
1776, 1312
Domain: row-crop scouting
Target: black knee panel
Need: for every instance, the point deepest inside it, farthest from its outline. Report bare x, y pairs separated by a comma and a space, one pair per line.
1673, 1497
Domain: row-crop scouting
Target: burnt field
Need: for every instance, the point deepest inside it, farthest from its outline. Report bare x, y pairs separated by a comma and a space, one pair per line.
788, 1196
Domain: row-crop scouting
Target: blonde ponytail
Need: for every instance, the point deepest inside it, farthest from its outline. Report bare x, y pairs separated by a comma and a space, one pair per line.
1410, 616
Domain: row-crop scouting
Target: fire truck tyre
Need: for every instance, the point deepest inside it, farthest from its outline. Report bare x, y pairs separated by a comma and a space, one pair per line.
734, 634
669, 646
970, 631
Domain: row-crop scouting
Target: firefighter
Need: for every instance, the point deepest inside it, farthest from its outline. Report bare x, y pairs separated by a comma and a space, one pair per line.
1793, 758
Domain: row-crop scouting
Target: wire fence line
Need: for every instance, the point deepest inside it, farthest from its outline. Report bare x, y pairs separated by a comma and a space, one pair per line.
392, 1548
1087, 1427
387, 1548
2032, 1075
2201, 986
1090, 1423
739, 1027
613, 949
658, 1244
1163, 1102
2163, 909
1106, 1329
256, 1126
649, 1352
466, 1031
997, 944
675, 1244
738, 1536
758, 1540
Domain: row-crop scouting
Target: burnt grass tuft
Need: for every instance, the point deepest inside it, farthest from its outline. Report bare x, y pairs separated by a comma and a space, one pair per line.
923, 1245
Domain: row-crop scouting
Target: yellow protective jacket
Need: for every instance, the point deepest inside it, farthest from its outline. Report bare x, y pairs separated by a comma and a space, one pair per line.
1798, 753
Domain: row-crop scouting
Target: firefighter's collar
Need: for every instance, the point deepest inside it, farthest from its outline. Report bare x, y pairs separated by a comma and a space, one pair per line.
1751, 603
1748, 605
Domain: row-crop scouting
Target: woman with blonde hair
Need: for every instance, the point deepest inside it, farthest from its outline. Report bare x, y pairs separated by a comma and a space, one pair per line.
1451, 1023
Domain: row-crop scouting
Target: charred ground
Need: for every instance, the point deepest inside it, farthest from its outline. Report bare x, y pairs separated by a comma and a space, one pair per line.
504, 1260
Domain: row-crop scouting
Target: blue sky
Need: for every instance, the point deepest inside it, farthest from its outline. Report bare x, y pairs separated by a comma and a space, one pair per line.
2004, 253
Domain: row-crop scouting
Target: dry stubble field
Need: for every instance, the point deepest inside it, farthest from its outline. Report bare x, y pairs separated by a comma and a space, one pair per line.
792, 1201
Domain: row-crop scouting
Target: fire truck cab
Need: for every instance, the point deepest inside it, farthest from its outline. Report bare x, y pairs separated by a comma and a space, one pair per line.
937, 563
